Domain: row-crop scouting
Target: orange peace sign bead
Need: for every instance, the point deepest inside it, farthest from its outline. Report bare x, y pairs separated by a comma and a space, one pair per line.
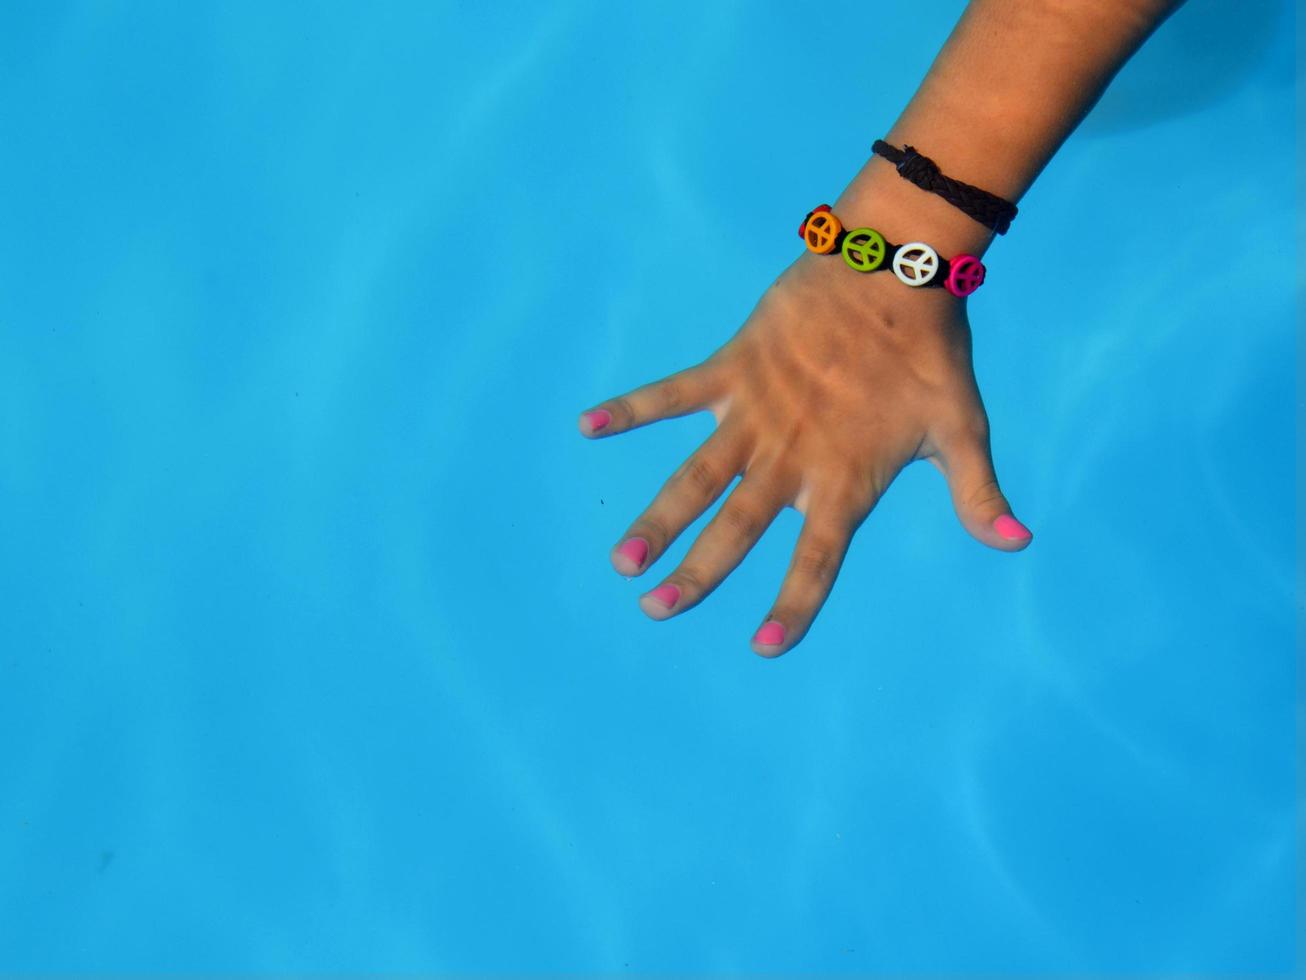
802, 229
822, 232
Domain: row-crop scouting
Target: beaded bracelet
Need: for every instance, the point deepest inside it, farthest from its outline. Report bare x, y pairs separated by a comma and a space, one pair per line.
865, 250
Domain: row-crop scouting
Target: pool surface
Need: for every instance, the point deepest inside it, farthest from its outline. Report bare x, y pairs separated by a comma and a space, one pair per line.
311, 656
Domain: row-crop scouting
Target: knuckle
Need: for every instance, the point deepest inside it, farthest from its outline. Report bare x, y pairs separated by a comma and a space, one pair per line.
654, 529
741, 522
817, 563
623, 410
692, 581
702, 476
671, 396
984, 494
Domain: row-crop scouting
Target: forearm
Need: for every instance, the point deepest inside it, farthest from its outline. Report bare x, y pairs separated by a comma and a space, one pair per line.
1012, 81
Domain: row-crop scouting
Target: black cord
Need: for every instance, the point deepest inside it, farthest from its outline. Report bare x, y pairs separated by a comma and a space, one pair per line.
988, 209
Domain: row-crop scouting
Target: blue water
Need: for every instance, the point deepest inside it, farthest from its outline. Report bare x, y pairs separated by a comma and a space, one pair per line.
311, 656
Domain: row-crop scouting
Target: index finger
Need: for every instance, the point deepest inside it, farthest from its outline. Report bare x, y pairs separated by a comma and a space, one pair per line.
686, 391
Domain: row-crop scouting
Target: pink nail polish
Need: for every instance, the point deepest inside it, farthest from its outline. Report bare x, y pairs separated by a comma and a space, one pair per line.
598, 419
1011, 529
771, 634
636, 549
667, 595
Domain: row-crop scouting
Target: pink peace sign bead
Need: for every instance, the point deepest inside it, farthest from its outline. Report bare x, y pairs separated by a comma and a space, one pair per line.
965, 275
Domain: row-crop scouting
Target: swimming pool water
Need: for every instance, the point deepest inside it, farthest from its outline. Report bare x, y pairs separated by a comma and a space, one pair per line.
311, 657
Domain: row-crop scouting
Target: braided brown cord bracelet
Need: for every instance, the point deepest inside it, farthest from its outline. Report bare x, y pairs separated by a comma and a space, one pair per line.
988, 209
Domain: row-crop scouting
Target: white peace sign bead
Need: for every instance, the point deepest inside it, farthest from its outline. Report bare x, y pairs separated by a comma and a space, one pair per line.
916, 263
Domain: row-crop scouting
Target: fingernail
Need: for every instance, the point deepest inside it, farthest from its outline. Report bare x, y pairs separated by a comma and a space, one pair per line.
665, 594
771, 634
1011, 529
598, 419
634, 549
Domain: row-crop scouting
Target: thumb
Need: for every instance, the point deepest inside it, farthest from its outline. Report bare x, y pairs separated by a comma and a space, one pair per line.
967, 462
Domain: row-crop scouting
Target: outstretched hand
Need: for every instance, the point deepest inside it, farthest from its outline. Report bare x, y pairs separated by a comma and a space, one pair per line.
834, 383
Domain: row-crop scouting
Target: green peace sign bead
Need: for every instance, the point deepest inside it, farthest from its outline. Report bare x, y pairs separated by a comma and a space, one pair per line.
864, 249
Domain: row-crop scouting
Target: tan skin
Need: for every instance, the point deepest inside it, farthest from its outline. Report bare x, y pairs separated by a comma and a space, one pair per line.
837, 380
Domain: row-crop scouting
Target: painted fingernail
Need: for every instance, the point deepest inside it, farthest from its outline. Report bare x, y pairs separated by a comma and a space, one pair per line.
635, 550
771, 634
664, 594
598, 419
1011, 529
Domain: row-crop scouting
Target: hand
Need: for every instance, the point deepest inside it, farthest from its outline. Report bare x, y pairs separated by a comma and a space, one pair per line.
836, 381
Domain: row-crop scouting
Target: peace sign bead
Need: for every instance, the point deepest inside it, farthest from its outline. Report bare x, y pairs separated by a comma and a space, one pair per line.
965, 275
802, 229
916, 264
864, 249
822, 232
